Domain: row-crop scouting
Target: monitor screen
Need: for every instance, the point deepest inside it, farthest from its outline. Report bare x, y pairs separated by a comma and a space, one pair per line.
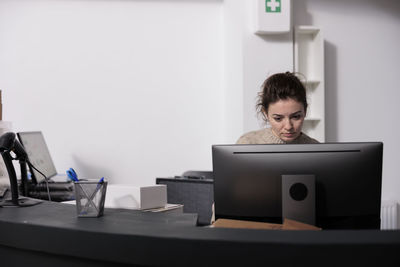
38, 154
248, 181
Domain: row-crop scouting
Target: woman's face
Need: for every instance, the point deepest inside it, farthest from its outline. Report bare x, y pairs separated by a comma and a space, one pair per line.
286, 118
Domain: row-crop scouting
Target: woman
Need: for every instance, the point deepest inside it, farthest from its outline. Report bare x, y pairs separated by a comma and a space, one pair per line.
283, 104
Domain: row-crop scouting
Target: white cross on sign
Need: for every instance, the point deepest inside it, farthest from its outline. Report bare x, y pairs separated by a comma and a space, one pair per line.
273, 4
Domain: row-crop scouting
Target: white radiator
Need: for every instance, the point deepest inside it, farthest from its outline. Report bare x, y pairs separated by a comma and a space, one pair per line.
389, 215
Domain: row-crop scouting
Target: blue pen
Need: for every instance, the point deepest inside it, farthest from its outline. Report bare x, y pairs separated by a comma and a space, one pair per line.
72, 174
90, 200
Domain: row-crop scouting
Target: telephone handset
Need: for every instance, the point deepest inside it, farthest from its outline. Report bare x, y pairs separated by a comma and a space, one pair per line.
8, 144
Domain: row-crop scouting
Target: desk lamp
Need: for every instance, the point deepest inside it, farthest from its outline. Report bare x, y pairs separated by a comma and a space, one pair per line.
8, 144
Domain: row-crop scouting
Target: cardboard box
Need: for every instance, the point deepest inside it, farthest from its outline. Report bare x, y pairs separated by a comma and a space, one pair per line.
136, 197
287, 225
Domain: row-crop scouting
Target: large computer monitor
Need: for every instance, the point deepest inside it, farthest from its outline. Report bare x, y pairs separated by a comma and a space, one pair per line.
348, 177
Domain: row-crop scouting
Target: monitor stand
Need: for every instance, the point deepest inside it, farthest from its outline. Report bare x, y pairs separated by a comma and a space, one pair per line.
20, 202
298, 198
16, 200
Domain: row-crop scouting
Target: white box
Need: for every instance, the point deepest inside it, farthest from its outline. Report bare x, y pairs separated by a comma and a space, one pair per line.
272, 16
135, 197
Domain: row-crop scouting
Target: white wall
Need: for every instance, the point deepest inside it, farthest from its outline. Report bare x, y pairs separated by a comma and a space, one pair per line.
129, 90
249, 60
136, 89
362, 60
234, 21
264, 55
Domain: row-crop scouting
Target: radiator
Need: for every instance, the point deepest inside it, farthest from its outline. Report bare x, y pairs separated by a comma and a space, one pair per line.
389, 215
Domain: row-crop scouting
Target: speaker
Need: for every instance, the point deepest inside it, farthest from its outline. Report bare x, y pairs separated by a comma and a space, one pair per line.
298, 198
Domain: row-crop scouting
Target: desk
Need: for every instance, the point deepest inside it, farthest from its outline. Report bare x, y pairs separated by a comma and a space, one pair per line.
50, 234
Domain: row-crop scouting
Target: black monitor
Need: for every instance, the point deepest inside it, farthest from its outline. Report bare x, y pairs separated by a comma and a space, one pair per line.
347, 179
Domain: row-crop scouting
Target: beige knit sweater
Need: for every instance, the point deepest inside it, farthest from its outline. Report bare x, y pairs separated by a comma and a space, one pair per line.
266, 136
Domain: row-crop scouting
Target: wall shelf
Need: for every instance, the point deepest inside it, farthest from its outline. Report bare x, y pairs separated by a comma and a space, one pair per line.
310, 82
308, 59
313, 119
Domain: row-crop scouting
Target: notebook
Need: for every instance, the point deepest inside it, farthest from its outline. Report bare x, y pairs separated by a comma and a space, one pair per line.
39, 155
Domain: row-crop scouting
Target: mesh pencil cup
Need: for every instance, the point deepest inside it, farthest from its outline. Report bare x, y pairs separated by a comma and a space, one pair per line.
90, 196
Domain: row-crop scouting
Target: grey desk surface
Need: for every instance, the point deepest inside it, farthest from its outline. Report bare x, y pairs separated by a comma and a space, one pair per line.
50, 233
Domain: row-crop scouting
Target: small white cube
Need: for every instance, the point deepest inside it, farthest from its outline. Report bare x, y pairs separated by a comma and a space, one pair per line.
135, 197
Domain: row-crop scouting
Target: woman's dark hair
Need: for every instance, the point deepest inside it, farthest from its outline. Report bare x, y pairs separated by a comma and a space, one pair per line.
281, 86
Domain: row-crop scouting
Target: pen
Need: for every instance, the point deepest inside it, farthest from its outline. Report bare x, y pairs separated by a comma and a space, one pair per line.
72, 174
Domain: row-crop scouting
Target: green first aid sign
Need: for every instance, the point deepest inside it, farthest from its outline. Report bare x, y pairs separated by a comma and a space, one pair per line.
273, 6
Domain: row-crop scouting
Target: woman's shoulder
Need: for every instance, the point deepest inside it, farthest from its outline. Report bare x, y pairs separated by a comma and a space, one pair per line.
305, 139
249, 137
262, 136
